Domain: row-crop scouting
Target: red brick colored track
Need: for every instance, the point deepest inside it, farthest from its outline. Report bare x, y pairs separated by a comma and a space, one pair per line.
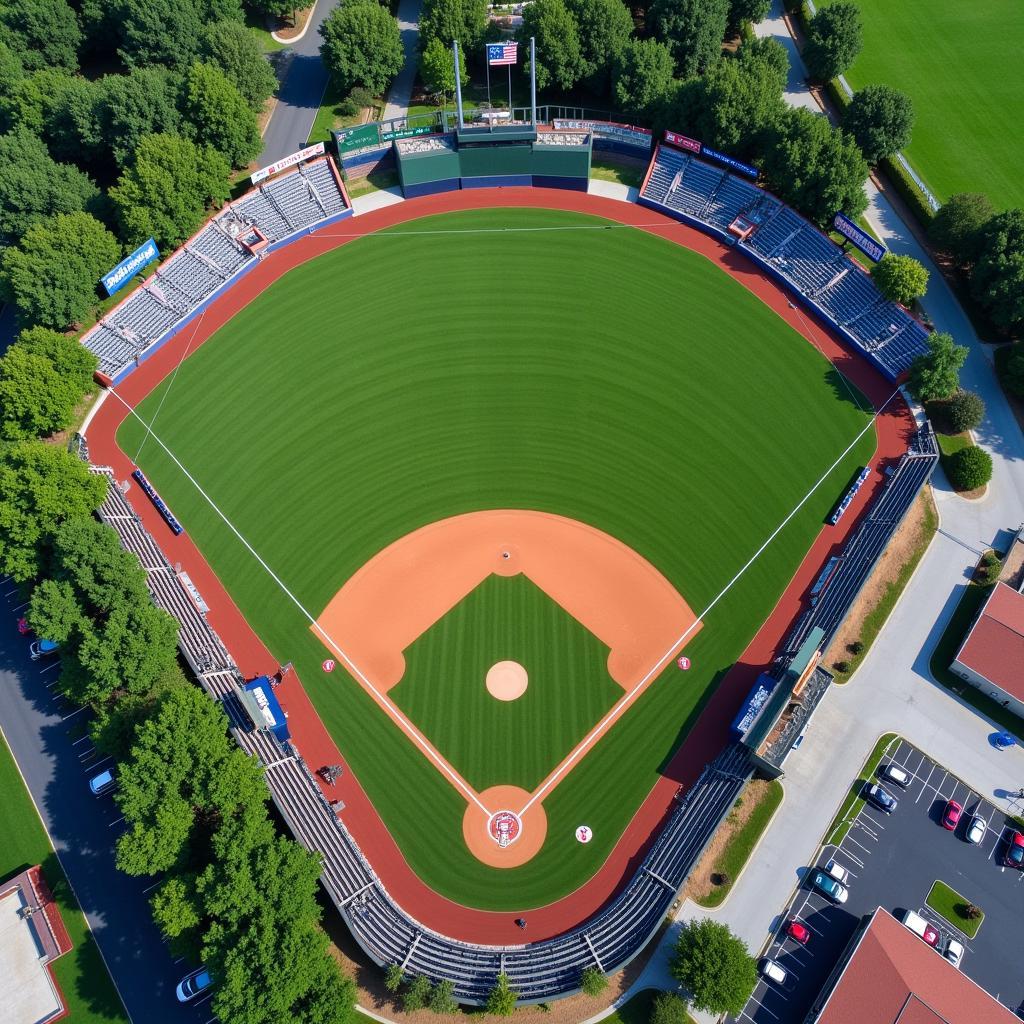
704, 741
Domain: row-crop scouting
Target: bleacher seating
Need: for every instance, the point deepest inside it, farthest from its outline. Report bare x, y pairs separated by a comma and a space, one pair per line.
538, 971
810, 262
292, 202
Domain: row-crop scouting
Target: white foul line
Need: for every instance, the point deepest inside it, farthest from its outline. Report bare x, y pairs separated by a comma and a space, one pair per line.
628, 698
408, 726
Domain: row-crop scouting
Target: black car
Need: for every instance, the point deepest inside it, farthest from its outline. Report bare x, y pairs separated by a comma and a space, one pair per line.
881, 798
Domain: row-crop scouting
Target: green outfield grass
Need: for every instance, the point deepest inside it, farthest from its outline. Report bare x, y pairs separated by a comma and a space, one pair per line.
453, 364
960, 65
491, 742
88, 992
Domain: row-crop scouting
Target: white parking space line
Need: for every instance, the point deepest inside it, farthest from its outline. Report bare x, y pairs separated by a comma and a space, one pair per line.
81, 739
859, 863
73, 713
9, 592
49, 668
763, 1007
924, 788
118, 822
17, 608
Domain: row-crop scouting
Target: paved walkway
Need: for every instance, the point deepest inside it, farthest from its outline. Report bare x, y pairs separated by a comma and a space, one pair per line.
401, 88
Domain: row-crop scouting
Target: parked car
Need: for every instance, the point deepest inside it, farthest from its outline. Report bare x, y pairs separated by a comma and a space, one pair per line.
798, 932
896, 775
102, 783
193, 984
42, 649
951, 815
838, 872
976, 829
773, 971
881, 798
829, 887
954, 952
920, 927
1014, 856
23, 627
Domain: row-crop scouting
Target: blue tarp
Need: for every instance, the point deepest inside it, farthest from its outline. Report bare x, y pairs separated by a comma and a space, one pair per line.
271, 716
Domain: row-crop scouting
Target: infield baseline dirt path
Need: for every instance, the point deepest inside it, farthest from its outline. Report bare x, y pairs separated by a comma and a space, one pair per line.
893, 428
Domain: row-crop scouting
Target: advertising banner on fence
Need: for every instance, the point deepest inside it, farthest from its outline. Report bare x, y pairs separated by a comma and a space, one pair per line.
609, 130
733, 165
130, 266
751, 707
289, 161
867, 245
407, 133
682, 142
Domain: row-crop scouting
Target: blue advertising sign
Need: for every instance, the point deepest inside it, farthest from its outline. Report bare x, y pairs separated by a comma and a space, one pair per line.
130, 266
867, 245
730, 162
751, 707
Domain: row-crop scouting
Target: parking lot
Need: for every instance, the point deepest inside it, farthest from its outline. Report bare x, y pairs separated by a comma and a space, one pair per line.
892, 860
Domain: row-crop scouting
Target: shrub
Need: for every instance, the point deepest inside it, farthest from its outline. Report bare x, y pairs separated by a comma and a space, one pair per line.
593, 982
965, 410
393, 977
841, 666
669, 1008
969, 468
972, 912
989, 568
442, 999
501, 1000
417, 994
856, 647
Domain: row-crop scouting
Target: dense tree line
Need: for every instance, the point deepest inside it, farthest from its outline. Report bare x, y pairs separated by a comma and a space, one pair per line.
184, 83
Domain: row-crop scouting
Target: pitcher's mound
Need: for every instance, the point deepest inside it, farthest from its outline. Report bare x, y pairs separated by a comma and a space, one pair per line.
507, 680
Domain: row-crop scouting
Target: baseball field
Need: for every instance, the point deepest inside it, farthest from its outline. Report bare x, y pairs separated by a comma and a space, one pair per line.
959, 63
581, 374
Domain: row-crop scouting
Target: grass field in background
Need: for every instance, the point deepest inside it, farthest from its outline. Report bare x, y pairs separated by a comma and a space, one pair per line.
505, 359
492, 742
89, 993
960, 64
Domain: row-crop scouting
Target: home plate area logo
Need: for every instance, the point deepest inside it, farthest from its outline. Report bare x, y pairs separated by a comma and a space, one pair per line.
504, 827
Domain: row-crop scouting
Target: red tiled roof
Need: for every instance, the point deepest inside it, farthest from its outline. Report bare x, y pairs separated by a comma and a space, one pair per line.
994, 648
893, 977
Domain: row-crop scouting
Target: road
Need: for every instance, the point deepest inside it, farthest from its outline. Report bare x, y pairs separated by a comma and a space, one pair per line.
401, 87
299, 96
43, 731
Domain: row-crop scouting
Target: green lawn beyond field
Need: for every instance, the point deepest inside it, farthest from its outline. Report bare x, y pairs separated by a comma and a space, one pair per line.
961, 65
461, 363
89, 993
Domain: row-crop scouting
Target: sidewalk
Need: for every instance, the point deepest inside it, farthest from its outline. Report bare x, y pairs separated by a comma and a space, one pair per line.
401, 88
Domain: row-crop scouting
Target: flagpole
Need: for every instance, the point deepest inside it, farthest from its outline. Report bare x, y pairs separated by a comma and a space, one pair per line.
487, 61
510, 92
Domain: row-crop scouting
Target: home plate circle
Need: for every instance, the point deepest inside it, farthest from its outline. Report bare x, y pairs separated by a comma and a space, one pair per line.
328, 665
584, 834
504, 827
683, 663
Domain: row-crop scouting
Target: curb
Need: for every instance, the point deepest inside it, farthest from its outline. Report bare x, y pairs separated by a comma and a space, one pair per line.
305, 29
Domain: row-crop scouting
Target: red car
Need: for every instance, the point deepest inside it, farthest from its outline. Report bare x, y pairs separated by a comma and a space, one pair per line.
23, 627
798, 932
951, 816
1014, 856
931, 935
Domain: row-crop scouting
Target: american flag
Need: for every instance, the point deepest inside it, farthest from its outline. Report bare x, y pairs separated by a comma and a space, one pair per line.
502, 53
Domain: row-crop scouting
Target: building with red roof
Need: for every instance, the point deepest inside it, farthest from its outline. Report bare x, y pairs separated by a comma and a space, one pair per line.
890, 976
992, 654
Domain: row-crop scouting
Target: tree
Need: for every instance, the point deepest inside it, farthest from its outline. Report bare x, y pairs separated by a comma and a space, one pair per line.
692, 29
559, 53
900, 278
834, 38
593, 982
361, 45
815, 167
33, 186
393, 977
158, 32
176, 910
1010, 366
669, 1008
769, 52
41, 486
132, 106
417, 994
44, 33
53, 611
230, 46
167, 189
72, 360
442, 999
997, 281
881, 119
747, 10
501, 1000
12, 70
643, 75
714, 967
969, 468
936, 374
956, 228
445, 20
965, 410
437, 69
35, 400
605, 27
51, 274
218, 116
274, 8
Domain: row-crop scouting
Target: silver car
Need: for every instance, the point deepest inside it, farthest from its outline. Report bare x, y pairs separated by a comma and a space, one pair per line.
976, 830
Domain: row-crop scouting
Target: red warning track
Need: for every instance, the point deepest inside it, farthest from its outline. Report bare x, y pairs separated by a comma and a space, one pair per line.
706, 739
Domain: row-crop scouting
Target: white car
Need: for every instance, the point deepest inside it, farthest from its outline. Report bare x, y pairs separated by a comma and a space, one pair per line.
895, 774
773, 971
193, 985
838, 872
954, 952
976, 830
